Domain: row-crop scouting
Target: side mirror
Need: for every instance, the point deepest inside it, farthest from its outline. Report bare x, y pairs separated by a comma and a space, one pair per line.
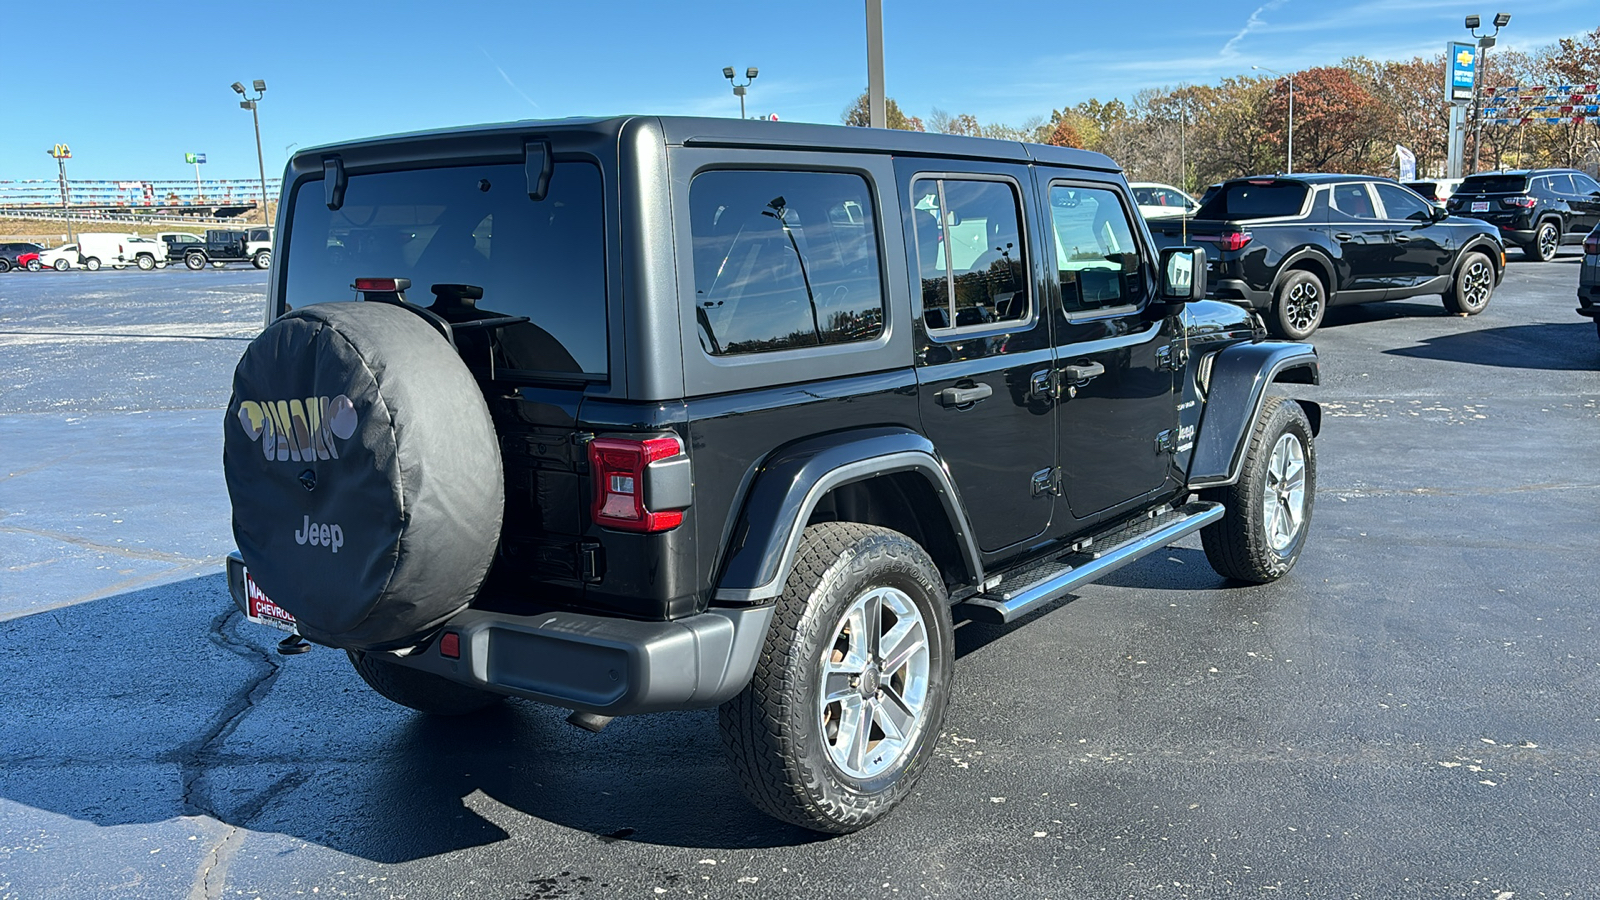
1438, 213
1183, 274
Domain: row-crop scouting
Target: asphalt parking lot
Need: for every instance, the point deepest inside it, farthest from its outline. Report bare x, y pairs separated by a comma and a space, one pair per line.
1411, 714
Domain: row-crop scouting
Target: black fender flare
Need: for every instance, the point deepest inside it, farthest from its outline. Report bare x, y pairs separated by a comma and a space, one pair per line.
1485, 244
1236, 391
1327, 273
788, 486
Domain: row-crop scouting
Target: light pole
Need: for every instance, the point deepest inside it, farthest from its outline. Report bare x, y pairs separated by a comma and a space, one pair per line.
261, 162
1290, 76
62, 153
1485, 41
738, 89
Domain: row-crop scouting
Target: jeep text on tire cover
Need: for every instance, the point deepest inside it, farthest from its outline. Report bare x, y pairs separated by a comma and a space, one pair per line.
644, 414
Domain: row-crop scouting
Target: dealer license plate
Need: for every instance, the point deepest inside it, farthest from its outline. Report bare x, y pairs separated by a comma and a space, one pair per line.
1480, 206
261, 610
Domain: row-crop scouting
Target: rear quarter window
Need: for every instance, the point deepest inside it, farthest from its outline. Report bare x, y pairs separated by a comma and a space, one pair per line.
783, 260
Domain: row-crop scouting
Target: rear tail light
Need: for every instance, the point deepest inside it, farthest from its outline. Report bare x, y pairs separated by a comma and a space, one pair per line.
1234, 240
1521, 202
1591, 244
639, 485
384, 285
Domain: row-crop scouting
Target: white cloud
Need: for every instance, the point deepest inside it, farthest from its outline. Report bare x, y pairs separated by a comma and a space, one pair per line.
1252, 24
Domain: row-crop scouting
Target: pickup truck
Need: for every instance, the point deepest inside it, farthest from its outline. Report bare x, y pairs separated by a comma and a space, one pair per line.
1290, 246
252, 246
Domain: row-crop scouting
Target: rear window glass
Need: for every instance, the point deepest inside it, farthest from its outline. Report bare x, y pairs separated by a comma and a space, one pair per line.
783, 260
1494, 184
1247, 200
470, 225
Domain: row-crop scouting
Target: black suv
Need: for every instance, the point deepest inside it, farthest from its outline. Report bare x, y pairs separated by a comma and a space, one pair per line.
11, 254
646, 414
1294, 245
1537, 210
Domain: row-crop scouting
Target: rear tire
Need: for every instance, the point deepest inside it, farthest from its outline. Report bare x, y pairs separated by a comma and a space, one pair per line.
421, 691
1473, 287
1299, 306
262, 259
61, 265
1260, 536
194, 261
1546, 241
849, 695
146, 263
92, 264
5, 266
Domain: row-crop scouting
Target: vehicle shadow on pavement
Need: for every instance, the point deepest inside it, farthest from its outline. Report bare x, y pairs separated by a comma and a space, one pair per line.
1360, 313
160, 703
1543, 346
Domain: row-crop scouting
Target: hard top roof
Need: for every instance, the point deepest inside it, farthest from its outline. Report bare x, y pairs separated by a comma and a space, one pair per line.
693, 131
1311, 178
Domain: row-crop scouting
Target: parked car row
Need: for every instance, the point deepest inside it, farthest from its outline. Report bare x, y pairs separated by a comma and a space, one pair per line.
93, 250
1536, 210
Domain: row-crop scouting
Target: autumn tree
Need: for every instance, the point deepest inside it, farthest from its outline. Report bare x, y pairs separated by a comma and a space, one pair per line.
1336, 121
856, 114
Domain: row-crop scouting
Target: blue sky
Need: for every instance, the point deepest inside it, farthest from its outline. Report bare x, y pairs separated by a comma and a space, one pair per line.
132, 99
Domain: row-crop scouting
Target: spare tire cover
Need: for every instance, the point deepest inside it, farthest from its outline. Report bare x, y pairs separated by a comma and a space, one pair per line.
364, 473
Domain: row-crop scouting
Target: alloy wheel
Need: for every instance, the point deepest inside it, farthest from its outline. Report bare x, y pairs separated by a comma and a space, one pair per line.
1302, 305
1284, 499
1476, 284
874, 687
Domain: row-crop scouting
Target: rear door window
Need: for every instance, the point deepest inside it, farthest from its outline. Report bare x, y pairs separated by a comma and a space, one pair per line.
784, 260
969, 253
470, 225
1353, 200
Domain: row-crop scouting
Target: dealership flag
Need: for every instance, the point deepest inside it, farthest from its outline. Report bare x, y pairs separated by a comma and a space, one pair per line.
1408, 163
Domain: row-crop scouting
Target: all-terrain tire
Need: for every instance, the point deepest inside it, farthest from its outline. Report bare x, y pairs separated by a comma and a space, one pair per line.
777, 731
1299, 306
1473, 287
1253, 541
421, 691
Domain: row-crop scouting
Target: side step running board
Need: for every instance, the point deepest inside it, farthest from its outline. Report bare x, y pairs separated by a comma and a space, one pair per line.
1012, 605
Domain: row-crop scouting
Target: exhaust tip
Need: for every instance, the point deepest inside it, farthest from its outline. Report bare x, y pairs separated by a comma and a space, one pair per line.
589, 721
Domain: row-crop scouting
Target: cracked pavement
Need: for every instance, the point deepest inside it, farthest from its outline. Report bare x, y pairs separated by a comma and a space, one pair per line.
1411, 714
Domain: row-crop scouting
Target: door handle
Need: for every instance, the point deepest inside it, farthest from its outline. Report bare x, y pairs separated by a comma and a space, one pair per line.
1404, 238
1342, 235
961, 396
1080, 374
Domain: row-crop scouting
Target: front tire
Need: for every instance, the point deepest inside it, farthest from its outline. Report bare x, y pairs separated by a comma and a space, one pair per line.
34, 265
1259, 538
92, 264
421, 691
849, 695
1473, 288
1299, 306
1546, 241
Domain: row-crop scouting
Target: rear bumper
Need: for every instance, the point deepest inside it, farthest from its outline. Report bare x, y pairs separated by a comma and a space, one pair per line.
597, 664
1237, 290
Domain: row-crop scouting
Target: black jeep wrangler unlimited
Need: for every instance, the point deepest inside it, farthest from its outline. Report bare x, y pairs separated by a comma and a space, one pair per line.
645, 414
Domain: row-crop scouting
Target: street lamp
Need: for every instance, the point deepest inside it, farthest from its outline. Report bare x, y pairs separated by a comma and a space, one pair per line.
62, 153
261, 162
1485, 41
738, 89
1290, 76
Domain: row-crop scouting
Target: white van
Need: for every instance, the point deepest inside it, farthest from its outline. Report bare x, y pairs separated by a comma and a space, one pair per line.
118, 250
